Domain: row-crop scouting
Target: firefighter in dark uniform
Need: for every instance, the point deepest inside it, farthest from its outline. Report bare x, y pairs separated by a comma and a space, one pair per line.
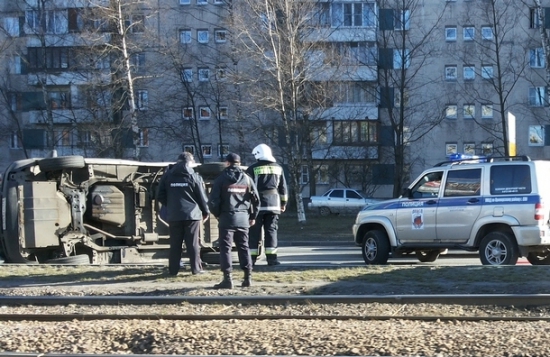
270, 180
234, 201
181, 190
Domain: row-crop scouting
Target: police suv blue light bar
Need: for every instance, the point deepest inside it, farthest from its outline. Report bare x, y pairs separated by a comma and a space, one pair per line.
461, 157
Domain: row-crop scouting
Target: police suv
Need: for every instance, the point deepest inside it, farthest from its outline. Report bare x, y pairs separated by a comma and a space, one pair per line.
492, 205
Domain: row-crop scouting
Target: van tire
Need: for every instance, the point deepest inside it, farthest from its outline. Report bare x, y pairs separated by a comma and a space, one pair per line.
498, 248
61, 162
375, 248
80, 259
210, 169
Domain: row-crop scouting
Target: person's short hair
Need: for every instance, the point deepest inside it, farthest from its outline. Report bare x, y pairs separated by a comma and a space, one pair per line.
233, 158
186, 157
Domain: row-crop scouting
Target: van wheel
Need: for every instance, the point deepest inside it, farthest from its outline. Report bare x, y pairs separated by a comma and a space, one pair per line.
539, 258
427, 256
324, 211
80, 259
498, 248
376, 248
61, 162
210, 169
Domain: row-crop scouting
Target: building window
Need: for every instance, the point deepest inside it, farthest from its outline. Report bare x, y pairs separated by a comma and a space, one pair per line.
469, 148
537, 96
469, 111
351, 132
536, 135
189, 148
202, 36
48, 58
15, 65
206, 150
187, 75
204, 113
202, 2
143, 135
451, 111
220, 36
185, 36
486, 148
450, 73
218, 2
223, 113
204, 74
187, 113
353, 14
450, 33
223, 150
322, 174
11, 26
142, 100
451, 148
14, 142
402, 19
48, 21
62, 137
59, 99
14, 101
534, 19
84, 138
469, 73
135, 23
399, 61
468, 33
486, 32
487, 111
138, 62
536, 57
356, 53
185, 2
304, 175
487, 72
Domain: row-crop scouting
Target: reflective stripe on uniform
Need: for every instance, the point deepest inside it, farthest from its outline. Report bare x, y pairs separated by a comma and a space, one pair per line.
270, 250
254, 252
270, 208
268, 170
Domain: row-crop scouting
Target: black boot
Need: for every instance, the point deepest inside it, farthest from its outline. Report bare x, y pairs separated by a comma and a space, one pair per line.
272, 259
254, 258
247, 279
226, 283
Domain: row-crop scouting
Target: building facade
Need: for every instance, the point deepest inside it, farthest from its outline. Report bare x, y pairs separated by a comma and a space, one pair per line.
399, 85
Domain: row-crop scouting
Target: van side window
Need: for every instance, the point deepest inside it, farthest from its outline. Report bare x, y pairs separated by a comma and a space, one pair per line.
510, 179
463, 183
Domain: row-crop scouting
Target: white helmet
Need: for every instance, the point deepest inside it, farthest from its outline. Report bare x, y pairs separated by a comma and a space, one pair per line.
263, 152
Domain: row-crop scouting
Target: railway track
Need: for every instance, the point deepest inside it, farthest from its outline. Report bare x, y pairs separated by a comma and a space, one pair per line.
142, 302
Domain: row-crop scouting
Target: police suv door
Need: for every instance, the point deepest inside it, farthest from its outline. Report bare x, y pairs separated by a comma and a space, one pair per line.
459, 205
415, 220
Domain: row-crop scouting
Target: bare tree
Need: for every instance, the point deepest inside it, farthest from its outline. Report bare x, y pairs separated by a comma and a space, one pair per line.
408, 106
296, 62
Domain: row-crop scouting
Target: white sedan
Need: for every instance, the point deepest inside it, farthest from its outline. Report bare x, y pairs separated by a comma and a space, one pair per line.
339, 200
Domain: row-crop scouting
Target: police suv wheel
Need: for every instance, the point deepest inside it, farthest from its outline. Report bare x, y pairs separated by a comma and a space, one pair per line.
61, 162
498, 248
376, 248
539, 258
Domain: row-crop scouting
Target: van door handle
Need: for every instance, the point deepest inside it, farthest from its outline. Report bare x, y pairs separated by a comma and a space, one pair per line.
431, 202
473, 200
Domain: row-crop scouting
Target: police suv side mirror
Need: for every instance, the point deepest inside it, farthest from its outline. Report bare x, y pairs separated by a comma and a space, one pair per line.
407, 193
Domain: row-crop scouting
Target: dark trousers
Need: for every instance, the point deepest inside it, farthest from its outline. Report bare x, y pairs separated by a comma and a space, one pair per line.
240, 235
187, 231
270, 223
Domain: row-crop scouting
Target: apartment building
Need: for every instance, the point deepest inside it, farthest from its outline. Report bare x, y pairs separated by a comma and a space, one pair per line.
410, 82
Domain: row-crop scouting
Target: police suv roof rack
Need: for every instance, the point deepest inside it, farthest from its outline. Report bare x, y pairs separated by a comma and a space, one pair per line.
479, 159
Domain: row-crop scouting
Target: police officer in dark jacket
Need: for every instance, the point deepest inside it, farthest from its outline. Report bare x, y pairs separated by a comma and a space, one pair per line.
270, 180
234, 201
182, 191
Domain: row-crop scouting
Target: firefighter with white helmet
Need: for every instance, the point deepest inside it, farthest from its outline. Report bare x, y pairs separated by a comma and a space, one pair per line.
269, 178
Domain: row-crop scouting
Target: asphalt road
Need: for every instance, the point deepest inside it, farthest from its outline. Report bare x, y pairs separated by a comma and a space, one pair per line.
351, 256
